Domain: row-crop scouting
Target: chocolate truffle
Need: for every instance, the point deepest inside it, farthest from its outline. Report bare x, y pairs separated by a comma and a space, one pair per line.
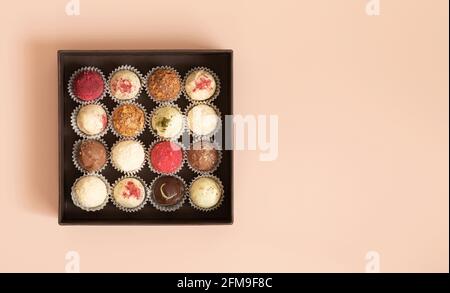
164, 85
88, 85
92, 119
202, 119
128, 155
90, 192
167, 190
167, 122
203, 156
200, 85
128, 120
205, 192
166, 157
91, 155
129, 193
124, 85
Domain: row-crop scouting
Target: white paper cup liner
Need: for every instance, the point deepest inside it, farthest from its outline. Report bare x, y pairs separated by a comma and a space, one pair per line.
216, 78
147, 76
72, 78
126, 209
167, 208
132, 172
113, 129
132, 69
219, 203
212, 133
155, 133
150, 160
219, 156
76, 147
88, 209
73, 121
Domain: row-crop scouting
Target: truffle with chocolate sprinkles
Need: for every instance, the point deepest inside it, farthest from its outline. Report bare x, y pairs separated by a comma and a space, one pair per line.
203, 156
164, 84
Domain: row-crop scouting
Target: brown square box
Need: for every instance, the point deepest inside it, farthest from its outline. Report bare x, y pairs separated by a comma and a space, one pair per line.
220, 61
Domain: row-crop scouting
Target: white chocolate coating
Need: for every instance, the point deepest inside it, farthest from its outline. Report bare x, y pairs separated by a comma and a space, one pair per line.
200, 85
91, 119
124, 197
91, 191
124, 85
205, 192
167, 122
202, 119
128, 155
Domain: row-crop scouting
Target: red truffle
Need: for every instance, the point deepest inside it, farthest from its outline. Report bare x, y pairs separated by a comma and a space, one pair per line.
88, 85
166, 157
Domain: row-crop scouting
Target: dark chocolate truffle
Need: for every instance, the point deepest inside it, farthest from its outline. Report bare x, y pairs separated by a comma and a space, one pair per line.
203, 156
91, 155
168, 190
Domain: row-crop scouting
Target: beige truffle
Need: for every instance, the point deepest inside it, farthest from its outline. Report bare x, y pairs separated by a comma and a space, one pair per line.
92, 119
125, 85
202, 119
200, 85
90, 191
128, 155
205, 192
167, 122
129, 193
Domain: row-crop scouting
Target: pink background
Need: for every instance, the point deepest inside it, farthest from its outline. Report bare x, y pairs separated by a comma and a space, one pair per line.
363, 135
